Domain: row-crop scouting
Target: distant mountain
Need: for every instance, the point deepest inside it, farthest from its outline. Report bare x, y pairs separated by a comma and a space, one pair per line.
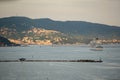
13, 27
18, 23
6, 42
82, 28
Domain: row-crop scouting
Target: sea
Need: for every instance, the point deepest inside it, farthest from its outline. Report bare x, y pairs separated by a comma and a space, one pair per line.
109, 69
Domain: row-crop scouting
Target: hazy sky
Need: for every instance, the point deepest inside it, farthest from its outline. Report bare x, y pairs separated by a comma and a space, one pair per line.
99, 11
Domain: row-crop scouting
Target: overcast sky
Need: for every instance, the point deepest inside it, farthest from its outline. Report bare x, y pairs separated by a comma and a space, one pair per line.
98, 11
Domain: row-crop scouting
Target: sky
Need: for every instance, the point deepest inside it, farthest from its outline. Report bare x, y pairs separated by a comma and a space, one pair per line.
97, 11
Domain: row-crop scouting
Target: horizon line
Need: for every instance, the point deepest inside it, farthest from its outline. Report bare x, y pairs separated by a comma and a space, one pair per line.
62, 20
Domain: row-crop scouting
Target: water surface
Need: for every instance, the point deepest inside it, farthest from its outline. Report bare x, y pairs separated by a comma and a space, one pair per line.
108, 70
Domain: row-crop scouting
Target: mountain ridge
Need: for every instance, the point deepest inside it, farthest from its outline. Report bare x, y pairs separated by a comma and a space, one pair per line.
76, 28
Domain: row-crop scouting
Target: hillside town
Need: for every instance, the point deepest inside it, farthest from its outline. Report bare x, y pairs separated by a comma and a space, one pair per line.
40, 36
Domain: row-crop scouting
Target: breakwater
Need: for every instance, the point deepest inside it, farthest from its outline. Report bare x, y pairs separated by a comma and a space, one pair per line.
51, 61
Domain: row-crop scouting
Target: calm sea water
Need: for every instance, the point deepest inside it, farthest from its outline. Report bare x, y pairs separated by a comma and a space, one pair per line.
108, 70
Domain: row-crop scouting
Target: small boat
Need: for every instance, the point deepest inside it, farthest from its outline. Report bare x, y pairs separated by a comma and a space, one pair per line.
22, 59
96, 45
98, 48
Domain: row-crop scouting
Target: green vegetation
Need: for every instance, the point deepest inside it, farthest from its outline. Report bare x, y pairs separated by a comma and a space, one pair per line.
58, 32
6, 42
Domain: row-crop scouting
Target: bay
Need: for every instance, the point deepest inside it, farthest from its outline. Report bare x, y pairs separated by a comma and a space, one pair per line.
109, 69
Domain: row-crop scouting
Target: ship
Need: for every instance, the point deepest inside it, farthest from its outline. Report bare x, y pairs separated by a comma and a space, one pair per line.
96, 45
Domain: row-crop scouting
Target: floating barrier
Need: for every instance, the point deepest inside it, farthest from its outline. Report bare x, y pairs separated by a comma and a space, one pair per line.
24, 60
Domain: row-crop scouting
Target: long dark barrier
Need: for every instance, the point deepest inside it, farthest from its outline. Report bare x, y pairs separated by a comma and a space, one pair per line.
50, 60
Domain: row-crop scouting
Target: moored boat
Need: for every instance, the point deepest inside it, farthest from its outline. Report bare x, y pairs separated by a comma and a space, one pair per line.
96, 45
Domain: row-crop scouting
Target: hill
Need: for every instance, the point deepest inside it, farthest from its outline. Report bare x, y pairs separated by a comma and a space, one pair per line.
68, 31
6, 42
82, 28
69, 27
